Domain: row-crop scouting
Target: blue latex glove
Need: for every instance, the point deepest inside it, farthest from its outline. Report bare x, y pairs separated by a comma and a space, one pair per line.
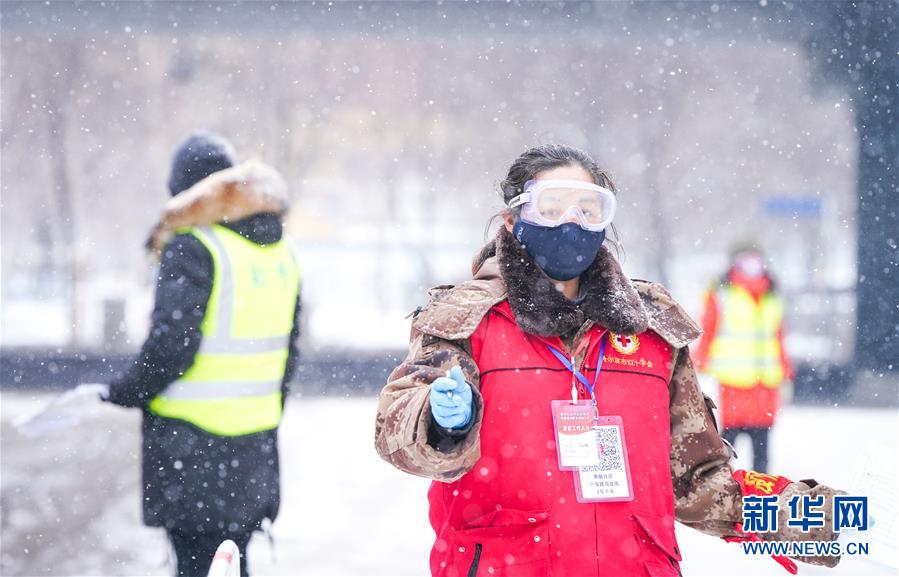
451, 400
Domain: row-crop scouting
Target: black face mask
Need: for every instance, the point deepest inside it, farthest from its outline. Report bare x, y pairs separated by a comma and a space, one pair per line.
564, 251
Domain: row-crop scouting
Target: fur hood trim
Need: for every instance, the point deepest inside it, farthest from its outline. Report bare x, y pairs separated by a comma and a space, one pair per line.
503, 270
225, 196
607, 295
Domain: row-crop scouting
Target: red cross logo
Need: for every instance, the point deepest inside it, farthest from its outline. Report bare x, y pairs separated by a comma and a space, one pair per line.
625, 344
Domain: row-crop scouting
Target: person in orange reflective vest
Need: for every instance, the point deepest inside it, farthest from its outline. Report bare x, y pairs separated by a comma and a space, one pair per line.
742, 348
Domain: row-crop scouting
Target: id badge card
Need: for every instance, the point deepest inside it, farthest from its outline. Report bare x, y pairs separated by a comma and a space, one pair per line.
575, 437
610, 479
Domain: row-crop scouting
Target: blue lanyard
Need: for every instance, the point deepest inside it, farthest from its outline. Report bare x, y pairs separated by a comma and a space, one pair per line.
570, 366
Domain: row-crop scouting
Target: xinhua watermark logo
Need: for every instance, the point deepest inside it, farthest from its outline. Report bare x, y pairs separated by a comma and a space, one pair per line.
761, 515
804, 548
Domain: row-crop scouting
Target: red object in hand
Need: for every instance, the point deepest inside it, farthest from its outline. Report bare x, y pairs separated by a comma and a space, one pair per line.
760, 485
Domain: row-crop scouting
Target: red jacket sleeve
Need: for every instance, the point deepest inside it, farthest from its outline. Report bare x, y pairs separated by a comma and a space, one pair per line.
784, 357
709, 323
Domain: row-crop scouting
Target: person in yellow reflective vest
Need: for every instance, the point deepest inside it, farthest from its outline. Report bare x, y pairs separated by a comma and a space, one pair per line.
212, 375
742, 347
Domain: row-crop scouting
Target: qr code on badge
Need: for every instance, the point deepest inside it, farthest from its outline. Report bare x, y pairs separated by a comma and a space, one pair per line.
609, 448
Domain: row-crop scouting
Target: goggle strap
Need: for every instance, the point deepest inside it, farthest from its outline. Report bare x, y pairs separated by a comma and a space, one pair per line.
541, 185
520, 199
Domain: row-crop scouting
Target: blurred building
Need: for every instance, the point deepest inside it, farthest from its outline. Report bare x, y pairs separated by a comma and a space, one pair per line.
393, 123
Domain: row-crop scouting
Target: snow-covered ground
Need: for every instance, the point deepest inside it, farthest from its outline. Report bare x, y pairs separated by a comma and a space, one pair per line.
70, 503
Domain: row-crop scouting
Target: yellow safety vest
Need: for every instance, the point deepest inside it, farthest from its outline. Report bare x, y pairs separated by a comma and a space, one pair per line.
746, 350
234, 386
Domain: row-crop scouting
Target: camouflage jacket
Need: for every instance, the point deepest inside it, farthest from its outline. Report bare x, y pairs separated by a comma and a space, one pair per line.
707, 497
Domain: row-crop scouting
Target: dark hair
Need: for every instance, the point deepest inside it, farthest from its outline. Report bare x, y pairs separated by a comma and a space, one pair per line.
546, 157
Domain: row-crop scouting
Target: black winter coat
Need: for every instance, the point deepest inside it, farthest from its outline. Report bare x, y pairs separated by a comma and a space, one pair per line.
193, 480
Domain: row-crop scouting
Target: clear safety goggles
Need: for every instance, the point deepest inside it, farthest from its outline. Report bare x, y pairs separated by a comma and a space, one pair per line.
555, 202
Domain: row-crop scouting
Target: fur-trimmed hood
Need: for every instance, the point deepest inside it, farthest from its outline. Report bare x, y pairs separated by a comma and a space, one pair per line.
225, 196
503, 270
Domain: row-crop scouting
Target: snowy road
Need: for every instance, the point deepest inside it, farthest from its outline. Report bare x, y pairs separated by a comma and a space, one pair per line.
70, 502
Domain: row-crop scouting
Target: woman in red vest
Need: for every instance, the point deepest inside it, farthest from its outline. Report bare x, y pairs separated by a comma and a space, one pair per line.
553, 401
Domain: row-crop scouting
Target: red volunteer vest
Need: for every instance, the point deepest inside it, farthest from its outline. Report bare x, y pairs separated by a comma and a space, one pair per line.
515, 512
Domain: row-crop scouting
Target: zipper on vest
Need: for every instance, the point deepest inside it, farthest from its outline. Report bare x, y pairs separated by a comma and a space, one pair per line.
473, 570
580, 340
